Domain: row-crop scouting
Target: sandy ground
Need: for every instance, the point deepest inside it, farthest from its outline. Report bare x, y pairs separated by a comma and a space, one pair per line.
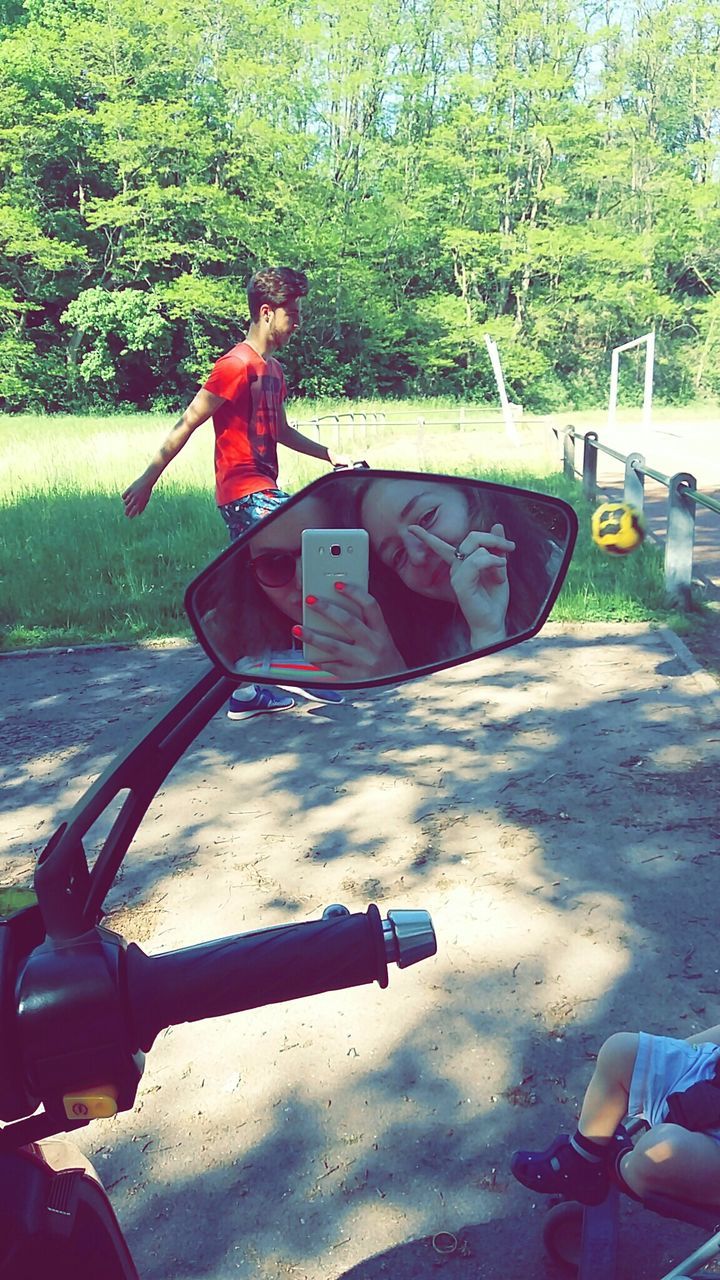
555, 808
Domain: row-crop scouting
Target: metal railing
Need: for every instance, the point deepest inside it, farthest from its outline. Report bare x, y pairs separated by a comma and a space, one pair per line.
367, 423
336, 420
683, 499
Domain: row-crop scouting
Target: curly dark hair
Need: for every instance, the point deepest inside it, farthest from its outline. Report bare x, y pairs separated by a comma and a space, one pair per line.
274, 286
427, 630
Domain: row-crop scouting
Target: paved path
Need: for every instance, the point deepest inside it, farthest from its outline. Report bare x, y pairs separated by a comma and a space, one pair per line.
556, 810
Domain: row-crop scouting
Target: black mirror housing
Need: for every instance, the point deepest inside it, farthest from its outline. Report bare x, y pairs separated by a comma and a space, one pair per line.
369, 578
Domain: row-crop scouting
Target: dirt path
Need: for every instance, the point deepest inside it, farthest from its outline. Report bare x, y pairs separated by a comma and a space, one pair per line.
556, 808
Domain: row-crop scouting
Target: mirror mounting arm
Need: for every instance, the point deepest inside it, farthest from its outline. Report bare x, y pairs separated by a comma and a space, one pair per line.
71, 897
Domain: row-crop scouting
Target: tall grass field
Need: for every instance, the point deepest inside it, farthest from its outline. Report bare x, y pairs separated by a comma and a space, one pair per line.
74, 569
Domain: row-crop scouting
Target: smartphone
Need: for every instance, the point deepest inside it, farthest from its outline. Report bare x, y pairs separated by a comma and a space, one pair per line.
330, 556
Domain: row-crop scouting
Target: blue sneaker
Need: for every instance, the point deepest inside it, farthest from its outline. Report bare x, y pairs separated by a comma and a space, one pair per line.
330, 696
264, 699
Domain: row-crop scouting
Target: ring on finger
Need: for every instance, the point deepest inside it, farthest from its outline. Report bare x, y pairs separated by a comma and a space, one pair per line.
460, 555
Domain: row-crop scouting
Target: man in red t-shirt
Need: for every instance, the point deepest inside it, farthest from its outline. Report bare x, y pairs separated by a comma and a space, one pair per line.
245, 397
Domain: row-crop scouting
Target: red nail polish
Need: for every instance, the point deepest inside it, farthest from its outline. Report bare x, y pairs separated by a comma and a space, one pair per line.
297, 632
340, 586
311, 599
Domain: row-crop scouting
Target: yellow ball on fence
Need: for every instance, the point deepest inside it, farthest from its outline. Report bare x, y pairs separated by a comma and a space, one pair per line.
618, 528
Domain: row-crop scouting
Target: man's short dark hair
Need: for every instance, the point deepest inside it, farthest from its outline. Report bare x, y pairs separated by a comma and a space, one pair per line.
275, 286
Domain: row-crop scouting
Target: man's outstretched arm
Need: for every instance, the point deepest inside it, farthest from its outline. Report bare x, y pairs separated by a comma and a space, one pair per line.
137, 494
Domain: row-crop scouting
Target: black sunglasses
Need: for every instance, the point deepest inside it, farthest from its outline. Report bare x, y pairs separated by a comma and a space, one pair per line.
275, 568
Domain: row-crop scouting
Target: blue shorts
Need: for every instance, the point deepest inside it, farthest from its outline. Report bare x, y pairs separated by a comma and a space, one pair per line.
241, 515
664, 1066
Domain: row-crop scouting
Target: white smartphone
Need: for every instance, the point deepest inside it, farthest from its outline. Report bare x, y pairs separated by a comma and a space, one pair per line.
330, 556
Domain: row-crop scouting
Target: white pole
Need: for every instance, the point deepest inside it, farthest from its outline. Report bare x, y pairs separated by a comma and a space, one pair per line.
612, 404
500, 381
649, 373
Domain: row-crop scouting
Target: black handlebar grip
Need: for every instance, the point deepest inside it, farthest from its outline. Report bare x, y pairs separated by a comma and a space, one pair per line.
269, 966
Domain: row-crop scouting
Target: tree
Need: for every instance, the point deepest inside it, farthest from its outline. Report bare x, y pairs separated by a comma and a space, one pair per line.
547, 169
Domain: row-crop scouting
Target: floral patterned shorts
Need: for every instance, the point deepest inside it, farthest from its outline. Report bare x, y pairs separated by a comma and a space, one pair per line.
241, 515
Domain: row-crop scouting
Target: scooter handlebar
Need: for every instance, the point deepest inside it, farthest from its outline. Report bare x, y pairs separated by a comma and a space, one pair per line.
270, 966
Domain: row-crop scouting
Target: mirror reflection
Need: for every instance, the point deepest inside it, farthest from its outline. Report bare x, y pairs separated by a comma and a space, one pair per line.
367, 576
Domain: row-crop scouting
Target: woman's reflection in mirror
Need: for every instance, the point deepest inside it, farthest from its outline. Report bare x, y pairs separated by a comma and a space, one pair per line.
475, 564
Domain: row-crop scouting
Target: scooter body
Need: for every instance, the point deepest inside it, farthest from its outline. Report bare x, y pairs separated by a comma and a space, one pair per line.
56, 1218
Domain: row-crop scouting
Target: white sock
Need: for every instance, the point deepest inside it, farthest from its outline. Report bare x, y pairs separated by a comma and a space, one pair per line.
244, 693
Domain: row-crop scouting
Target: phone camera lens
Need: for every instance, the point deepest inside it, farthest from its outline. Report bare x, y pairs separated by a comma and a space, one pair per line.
335, 549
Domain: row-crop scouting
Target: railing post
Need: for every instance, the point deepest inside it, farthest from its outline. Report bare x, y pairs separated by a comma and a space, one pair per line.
680, 538
589, 471
568, 447
419, 441
634, 490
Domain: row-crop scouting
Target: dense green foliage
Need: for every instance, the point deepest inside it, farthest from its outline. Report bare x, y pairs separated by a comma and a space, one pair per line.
546, 170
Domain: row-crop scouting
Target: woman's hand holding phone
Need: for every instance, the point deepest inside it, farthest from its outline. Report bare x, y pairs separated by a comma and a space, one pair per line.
362, 647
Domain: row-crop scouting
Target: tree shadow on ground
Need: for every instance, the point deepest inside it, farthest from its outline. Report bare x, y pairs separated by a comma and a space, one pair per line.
557, 813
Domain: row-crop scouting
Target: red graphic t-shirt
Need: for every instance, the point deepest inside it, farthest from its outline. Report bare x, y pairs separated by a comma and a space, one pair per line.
246, 426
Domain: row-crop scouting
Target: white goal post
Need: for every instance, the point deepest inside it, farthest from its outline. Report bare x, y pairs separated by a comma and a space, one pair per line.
649, 340
507, 408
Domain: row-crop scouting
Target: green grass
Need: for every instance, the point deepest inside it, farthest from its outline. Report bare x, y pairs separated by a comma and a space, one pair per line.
604, 588
14, 899
75, 570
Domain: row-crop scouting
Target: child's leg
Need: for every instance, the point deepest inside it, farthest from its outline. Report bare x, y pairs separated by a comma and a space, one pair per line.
672, 1161
577, 1166
606, 1099
711, 1036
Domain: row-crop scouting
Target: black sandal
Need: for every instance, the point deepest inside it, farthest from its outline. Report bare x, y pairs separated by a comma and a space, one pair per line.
560, 1170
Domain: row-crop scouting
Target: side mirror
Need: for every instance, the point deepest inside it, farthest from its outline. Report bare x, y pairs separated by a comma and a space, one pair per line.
372, 577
